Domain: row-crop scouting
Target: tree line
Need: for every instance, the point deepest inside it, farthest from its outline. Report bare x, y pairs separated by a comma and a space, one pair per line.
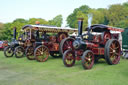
6, 30
115, 15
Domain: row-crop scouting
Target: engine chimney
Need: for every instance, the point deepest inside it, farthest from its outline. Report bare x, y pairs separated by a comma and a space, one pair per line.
14, 33
80, 24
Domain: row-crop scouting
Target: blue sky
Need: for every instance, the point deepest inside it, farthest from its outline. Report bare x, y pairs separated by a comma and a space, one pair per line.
46, 9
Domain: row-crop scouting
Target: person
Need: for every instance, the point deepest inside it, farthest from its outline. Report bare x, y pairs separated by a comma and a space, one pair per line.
45, 36
37, 31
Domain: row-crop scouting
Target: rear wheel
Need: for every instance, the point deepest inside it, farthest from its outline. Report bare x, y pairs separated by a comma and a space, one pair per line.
19, 52
66, 44
68, 58
41, 53
8, 51
112, 52
61, 36
88, 59
30, 53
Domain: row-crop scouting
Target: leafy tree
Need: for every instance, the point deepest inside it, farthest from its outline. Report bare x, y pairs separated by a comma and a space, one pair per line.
104, 12
18, 23
6, 32
1, 30
33, 20
20, 20
116, 15
98, 16
57, 21
125, 4
80, 12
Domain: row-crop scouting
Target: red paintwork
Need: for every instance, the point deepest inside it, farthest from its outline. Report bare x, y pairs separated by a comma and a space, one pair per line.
78, 58
97, 38
52, 46
94, 45
98, 51
68, 45
91, 45
115, 29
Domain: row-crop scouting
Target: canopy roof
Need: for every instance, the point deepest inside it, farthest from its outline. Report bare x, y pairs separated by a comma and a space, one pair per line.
47, 28
102, 28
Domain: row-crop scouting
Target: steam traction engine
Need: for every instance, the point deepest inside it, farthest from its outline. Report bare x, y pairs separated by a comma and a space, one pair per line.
97, 43
46, 42
16, 46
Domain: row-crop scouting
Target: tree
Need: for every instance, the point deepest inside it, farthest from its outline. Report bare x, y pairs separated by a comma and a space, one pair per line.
125, 4
98, 16
104, 13
57, 21
80, 12
18, 23
33, 20
1, 30
6, 32
117, 14
20, 20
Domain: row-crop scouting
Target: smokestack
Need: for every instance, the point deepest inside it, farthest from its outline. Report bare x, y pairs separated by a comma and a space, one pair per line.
80, 26
14, 33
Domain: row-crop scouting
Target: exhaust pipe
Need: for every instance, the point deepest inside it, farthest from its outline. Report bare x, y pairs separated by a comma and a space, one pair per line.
14, 33
80, 26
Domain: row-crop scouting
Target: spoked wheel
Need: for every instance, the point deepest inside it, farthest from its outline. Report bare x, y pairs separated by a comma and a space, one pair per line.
66, 44
19, 52
62, 36
112, 52
88, 59
69, 58
55, 54
8, 51
41, 53
30, 53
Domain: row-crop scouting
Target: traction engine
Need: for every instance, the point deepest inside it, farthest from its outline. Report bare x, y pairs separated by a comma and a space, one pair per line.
89, 47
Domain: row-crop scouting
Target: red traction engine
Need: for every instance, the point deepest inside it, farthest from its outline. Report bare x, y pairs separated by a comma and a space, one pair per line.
97, 43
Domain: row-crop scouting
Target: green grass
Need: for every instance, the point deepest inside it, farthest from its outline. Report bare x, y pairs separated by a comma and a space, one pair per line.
22, 71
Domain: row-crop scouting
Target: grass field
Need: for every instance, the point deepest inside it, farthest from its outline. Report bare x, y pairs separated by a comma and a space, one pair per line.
22, 71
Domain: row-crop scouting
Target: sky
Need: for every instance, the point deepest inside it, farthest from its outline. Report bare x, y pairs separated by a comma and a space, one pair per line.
46, 9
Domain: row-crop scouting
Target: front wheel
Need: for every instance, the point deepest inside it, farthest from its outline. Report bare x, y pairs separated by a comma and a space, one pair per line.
69, 58
19, 52
8, 51
88, 59
112, 52
30, 53
41, 53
